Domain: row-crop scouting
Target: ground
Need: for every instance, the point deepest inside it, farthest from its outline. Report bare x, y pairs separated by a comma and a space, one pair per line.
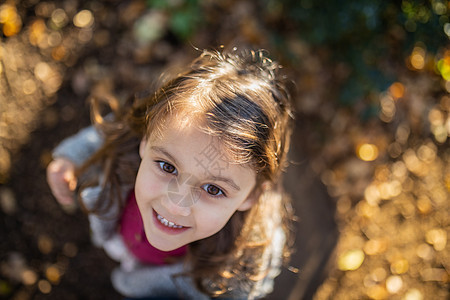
372, 195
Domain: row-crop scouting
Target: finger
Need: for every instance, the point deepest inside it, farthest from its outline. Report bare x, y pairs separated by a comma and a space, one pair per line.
54, 167
70, 179
65, 200
64, 196
56, 182
59, 187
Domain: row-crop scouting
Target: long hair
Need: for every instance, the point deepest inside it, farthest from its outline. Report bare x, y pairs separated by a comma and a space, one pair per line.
239, 98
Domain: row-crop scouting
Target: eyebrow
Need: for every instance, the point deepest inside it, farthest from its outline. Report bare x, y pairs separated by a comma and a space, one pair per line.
163, 151
229, 181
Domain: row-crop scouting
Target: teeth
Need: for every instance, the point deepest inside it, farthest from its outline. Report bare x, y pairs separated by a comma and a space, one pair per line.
166, 222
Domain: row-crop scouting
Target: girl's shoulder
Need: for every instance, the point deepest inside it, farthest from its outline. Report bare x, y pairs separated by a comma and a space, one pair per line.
260, 282
80, 146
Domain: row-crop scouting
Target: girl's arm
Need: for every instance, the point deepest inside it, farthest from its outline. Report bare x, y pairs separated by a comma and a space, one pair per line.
79, 147
62, 181
68, 155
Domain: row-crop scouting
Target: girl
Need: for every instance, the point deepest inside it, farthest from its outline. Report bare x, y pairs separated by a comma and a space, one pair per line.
183, 185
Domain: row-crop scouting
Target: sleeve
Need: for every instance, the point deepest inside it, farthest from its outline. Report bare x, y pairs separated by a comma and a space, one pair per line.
156, 281
104, 226
79, 147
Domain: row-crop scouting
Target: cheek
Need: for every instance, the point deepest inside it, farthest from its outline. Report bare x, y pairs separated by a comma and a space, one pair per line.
210, 220
148, 186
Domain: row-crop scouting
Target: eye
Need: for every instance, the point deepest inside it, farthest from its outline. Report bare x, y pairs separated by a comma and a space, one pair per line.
213, 190
166, 167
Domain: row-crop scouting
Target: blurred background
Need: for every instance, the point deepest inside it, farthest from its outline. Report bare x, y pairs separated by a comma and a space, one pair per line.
370, 172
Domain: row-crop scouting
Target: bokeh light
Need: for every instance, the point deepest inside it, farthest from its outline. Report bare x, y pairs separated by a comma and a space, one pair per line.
417, 58
351, 260
37, 31
388, 108
53, 274
389, 104
367, 152
10, 19
59, 18
397, 90
29, 277
394, 284
44, 286
83, 19
45, 244
443, 66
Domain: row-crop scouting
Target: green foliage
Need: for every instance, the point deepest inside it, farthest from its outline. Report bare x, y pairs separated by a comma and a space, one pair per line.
185, 16
363, 34
424, 21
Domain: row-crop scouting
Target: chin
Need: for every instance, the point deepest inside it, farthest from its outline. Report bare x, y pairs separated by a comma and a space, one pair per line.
165, 247
162, 245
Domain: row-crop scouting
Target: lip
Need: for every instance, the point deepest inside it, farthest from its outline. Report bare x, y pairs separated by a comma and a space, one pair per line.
168, 230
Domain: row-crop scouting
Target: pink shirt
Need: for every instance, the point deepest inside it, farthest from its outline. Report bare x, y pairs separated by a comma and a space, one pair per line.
132, 231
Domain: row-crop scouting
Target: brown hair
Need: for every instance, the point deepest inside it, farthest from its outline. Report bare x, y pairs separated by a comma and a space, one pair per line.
240, 98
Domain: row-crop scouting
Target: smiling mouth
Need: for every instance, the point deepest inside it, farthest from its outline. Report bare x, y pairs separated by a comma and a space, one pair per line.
167, 223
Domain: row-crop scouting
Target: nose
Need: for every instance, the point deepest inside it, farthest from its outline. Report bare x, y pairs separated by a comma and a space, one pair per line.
182, 193
176, 204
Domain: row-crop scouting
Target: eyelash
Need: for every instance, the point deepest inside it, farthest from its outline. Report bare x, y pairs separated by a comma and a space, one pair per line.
221, 193
162, 164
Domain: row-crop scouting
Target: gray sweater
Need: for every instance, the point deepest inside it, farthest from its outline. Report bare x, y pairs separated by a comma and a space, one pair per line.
133, 279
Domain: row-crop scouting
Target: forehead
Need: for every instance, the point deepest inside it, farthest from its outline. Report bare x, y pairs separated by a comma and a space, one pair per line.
186, 130
190, 132
197, 152
173, 124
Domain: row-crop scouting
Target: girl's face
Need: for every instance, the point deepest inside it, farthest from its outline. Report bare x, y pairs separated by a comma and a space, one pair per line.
186, 188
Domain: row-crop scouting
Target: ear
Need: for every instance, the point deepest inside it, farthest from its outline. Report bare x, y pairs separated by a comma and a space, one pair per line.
253, 197
142, 147
248, 203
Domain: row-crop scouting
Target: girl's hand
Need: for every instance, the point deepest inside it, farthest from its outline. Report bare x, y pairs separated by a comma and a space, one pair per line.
62, 181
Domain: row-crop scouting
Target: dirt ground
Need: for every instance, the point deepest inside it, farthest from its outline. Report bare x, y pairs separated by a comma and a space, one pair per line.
372, 197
